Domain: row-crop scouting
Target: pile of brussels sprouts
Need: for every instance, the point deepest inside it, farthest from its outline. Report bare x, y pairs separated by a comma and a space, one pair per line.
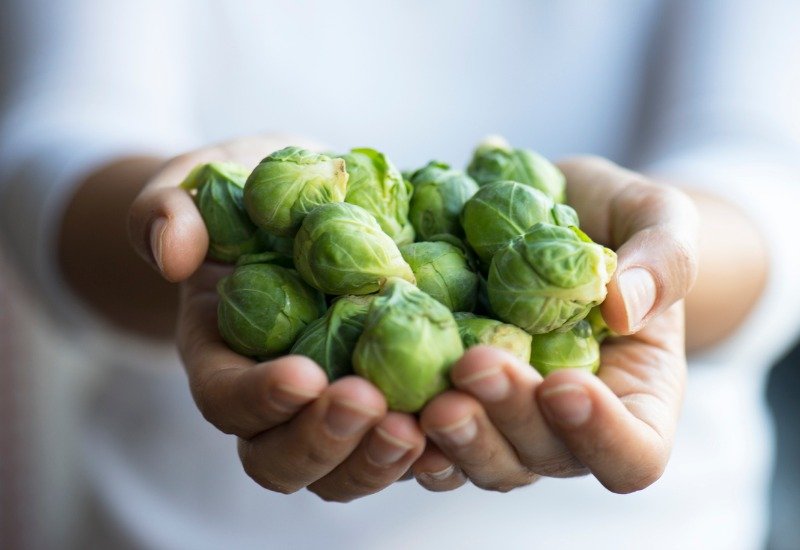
391, 276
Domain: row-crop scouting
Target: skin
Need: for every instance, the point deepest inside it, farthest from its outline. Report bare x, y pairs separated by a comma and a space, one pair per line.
502, 426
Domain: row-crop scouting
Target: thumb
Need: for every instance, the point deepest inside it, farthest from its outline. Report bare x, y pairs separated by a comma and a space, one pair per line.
164, 226
657, 260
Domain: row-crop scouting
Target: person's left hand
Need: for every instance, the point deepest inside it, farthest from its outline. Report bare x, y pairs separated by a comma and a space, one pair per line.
503, 425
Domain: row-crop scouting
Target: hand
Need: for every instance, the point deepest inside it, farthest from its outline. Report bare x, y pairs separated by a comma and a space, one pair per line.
295, 430
504, 426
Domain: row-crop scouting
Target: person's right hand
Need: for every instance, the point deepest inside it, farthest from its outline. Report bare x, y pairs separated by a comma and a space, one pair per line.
295, 430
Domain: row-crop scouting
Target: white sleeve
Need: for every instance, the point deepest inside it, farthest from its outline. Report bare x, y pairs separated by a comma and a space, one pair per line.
724, 115
88, 81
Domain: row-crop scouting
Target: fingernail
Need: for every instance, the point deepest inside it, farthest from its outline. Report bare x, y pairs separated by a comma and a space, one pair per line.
568, 405
157, 230
385, 449
288, 399
345, 418
437, 476
460, 433
638, 293
489, 385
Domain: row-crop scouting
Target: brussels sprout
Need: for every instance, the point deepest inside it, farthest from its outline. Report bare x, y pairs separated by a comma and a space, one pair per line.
409, 343
573, 349
476, 330
442, 271
500, 211
288, 184
495, 160
549, 278
600, 330
263, 308
341, 249
377, 186
439, 196
218, 197
330, 340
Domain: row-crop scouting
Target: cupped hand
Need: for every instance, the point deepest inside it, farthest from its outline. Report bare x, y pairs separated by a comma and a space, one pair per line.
295, 430
504, 426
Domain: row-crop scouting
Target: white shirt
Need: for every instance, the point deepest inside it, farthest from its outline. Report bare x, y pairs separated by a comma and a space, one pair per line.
701, 92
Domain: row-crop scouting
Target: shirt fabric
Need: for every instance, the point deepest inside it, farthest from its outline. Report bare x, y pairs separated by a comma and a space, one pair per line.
697, 92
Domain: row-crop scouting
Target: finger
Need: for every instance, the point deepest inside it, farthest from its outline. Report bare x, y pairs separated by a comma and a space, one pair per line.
165, 227
381, 459
293, 455
458, 425
234, 393
654, 229
620, 424
434, 471
506, 388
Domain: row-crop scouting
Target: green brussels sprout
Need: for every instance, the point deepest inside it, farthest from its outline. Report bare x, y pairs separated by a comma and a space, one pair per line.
331, 339
409, 343
573, 349
377, 186
442, 271
495, 160
439, 196
500, 211
600, 330
476, 330
218, 197
288, 184
264, 307
341, 249
549, 278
